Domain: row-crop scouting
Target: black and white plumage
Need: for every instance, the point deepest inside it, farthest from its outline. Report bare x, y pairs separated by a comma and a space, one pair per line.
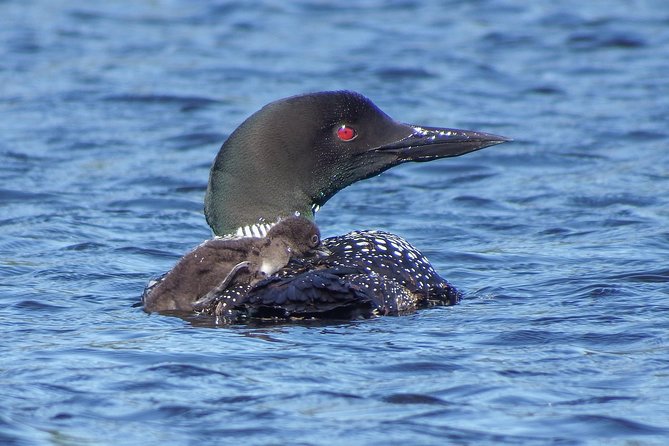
367, 273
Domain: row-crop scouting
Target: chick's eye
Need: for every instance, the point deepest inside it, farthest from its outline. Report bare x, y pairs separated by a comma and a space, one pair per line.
346, 133
315, 240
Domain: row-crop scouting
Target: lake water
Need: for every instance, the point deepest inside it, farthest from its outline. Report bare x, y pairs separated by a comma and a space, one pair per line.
112, 112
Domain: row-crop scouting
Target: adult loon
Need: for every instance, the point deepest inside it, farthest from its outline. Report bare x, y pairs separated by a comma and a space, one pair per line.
289, 158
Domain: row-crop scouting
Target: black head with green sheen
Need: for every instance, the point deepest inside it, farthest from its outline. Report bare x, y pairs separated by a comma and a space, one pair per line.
296, 153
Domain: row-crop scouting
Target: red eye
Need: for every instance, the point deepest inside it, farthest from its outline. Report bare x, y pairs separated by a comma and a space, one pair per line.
346, 133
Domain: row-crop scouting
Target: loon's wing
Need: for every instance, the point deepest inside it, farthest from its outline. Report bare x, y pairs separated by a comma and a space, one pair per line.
403, 275
320, 293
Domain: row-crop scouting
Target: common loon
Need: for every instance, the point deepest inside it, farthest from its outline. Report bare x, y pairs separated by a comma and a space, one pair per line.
220, 263
289, 158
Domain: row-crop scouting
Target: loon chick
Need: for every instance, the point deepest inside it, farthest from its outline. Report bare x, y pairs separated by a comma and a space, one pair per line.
291, 157
220, 263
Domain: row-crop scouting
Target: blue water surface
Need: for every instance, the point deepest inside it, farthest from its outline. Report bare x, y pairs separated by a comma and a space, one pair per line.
112, 112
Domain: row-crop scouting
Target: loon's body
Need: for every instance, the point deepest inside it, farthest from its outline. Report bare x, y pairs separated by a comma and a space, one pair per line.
291, 157
221, 263
367, 273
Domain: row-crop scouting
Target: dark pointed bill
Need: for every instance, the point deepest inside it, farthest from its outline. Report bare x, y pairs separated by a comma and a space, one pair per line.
429, 143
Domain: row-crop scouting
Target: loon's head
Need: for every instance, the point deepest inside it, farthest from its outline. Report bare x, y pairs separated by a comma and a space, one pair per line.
296, 153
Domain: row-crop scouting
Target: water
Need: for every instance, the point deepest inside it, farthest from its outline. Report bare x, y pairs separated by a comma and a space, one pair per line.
111, 113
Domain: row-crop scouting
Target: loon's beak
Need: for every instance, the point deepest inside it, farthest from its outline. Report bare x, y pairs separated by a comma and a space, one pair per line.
430, 143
